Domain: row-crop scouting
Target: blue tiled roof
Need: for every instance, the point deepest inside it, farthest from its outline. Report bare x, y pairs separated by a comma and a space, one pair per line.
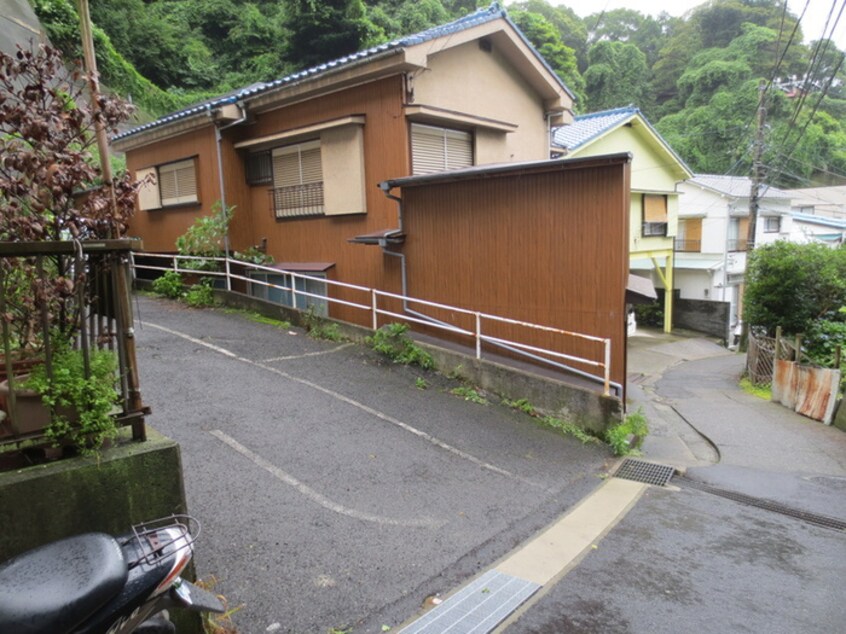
587, 127
480, 16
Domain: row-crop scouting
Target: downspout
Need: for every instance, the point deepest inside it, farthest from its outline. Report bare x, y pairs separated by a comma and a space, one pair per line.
386, 189
219, 139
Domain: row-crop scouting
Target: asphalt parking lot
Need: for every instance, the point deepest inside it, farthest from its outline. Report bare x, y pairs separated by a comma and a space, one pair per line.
333, 491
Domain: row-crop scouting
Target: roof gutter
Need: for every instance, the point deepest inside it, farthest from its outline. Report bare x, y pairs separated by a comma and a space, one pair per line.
219, 138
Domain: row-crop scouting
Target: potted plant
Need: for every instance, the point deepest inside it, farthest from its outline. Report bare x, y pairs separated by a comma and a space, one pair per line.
79, 401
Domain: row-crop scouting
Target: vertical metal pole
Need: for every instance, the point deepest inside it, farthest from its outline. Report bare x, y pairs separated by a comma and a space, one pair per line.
127, 339
478, 335
7, 353
228, 280
373, 309
607, 388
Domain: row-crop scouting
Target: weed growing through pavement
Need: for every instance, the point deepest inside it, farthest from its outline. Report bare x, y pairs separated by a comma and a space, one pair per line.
469, 394
393, 341
218, 623
626, 437
420, 383
319, 327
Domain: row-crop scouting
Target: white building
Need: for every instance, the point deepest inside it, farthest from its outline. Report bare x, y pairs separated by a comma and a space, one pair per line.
711, 238
820, 201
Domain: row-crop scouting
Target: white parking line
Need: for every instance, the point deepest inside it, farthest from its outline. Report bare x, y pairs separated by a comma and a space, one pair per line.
313, 495
388, 419
307, 354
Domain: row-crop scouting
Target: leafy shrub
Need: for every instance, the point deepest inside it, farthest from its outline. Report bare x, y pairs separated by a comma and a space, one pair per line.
793, 286
200, 295
205, 238
169, 285
393, 342
92, 398
633, 425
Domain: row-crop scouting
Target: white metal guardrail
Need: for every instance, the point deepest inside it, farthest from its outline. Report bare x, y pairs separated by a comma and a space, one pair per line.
370, 304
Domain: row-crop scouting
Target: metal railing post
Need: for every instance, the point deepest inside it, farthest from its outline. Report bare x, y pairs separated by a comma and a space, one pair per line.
607, 387
373, 308
228, 280
478, 335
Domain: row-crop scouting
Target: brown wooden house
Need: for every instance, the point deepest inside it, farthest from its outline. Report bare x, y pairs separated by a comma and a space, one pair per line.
300, 158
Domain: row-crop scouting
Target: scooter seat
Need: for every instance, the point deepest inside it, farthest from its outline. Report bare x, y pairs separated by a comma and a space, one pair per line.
56, 587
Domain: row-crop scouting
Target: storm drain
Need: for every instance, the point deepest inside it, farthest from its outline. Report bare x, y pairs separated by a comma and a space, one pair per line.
646, 472
768, 505
477, 608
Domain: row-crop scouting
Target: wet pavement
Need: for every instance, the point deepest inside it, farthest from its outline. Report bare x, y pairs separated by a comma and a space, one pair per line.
686, 560
335, 494
332, 491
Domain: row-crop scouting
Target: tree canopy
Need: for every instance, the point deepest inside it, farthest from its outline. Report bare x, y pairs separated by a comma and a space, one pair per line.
695, 77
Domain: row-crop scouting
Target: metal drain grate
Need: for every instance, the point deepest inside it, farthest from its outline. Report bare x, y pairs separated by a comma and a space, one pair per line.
767, 505
646, 472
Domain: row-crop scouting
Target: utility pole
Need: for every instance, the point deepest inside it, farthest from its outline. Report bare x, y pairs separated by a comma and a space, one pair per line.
94, 87
754, 193
757, 168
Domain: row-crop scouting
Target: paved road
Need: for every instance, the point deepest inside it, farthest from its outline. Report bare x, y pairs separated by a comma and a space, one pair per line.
683, 560
333, 493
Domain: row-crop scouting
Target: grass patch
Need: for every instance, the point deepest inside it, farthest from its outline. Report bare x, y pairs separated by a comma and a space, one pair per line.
421, 384
469, 394
761, 391
521, 404
569, 429
270, 321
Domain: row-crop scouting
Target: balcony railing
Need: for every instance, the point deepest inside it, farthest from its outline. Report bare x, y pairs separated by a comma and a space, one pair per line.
688, 246
297, 201
737, 244
653, 229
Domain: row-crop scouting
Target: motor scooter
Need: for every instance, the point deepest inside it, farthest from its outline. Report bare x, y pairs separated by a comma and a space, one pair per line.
99, 584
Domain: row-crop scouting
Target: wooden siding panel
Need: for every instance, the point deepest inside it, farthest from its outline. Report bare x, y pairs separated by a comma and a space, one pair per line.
324, 239
159, 228
547, 248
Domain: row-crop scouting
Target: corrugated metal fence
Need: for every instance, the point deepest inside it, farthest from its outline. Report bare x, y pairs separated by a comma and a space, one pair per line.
805, 388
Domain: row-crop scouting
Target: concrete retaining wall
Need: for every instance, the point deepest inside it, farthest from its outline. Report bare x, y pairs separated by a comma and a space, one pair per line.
700, 315
129, 483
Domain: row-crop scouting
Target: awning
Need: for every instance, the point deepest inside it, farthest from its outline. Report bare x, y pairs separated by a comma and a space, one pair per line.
697, 265
380, 238
640, 290
303, 267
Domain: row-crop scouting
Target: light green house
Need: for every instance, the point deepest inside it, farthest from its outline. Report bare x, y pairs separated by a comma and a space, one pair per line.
656, 171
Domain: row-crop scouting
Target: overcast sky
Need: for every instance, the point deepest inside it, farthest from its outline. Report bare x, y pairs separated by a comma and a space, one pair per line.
812, 23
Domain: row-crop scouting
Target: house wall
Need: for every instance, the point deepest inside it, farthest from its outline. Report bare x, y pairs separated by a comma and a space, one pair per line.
650, 174
325, 238
549, 248
494, 90
159, 228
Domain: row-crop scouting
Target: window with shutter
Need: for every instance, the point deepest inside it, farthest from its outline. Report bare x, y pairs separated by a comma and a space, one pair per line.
178, 183
436, 149
297, 180
654, 215
148, 194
